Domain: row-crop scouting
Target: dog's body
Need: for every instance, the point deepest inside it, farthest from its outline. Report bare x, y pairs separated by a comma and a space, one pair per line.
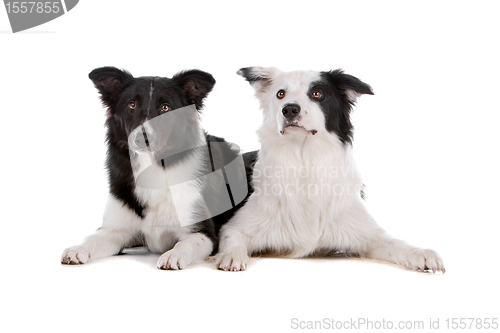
307, 191
167, 219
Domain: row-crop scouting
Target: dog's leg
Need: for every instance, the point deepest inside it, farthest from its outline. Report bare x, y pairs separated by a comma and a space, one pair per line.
233, 249
397, 251
189, 248
358, 232
105, 242
118, 231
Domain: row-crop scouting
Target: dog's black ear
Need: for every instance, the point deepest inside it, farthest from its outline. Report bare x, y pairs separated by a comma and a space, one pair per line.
259, 77
196, 85
350, 85
110, 81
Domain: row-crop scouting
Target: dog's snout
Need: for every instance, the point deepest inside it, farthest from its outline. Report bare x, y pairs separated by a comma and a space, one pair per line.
141, 139
291, 111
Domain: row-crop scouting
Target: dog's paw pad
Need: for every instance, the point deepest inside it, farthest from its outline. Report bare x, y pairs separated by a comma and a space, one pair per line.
232, 262
75, 256
422, 260
173, 260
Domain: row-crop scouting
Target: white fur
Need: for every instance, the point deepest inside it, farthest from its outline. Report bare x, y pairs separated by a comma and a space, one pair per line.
191, 247
161, 228
295, 220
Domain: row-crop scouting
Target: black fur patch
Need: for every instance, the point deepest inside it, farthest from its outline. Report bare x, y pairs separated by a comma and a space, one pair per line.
335, 101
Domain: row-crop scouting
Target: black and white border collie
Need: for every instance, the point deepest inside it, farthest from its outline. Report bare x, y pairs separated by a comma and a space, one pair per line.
138, 215
307, 191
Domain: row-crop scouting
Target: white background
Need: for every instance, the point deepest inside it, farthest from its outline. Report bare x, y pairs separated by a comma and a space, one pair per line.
426, 144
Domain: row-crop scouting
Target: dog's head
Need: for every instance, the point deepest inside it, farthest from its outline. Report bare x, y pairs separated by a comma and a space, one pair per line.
306, 102
131, 102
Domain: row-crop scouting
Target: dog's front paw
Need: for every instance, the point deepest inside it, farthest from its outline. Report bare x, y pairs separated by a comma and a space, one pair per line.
75, 255
420, 260
174, 260
233, 262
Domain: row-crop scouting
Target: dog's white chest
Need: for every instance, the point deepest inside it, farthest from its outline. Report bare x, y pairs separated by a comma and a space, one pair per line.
303, 195
169, 211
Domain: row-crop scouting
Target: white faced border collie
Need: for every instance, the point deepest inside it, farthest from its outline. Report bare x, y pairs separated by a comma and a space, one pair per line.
136, 216
307, 191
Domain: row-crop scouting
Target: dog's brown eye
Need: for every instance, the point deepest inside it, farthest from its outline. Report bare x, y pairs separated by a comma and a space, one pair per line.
280, 94
132, 105
316, 94
165, 108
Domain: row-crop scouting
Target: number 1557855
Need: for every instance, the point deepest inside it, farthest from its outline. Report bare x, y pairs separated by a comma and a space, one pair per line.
33, 7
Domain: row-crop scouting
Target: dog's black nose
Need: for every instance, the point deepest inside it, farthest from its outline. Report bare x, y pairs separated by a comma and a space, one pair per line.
291, 111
